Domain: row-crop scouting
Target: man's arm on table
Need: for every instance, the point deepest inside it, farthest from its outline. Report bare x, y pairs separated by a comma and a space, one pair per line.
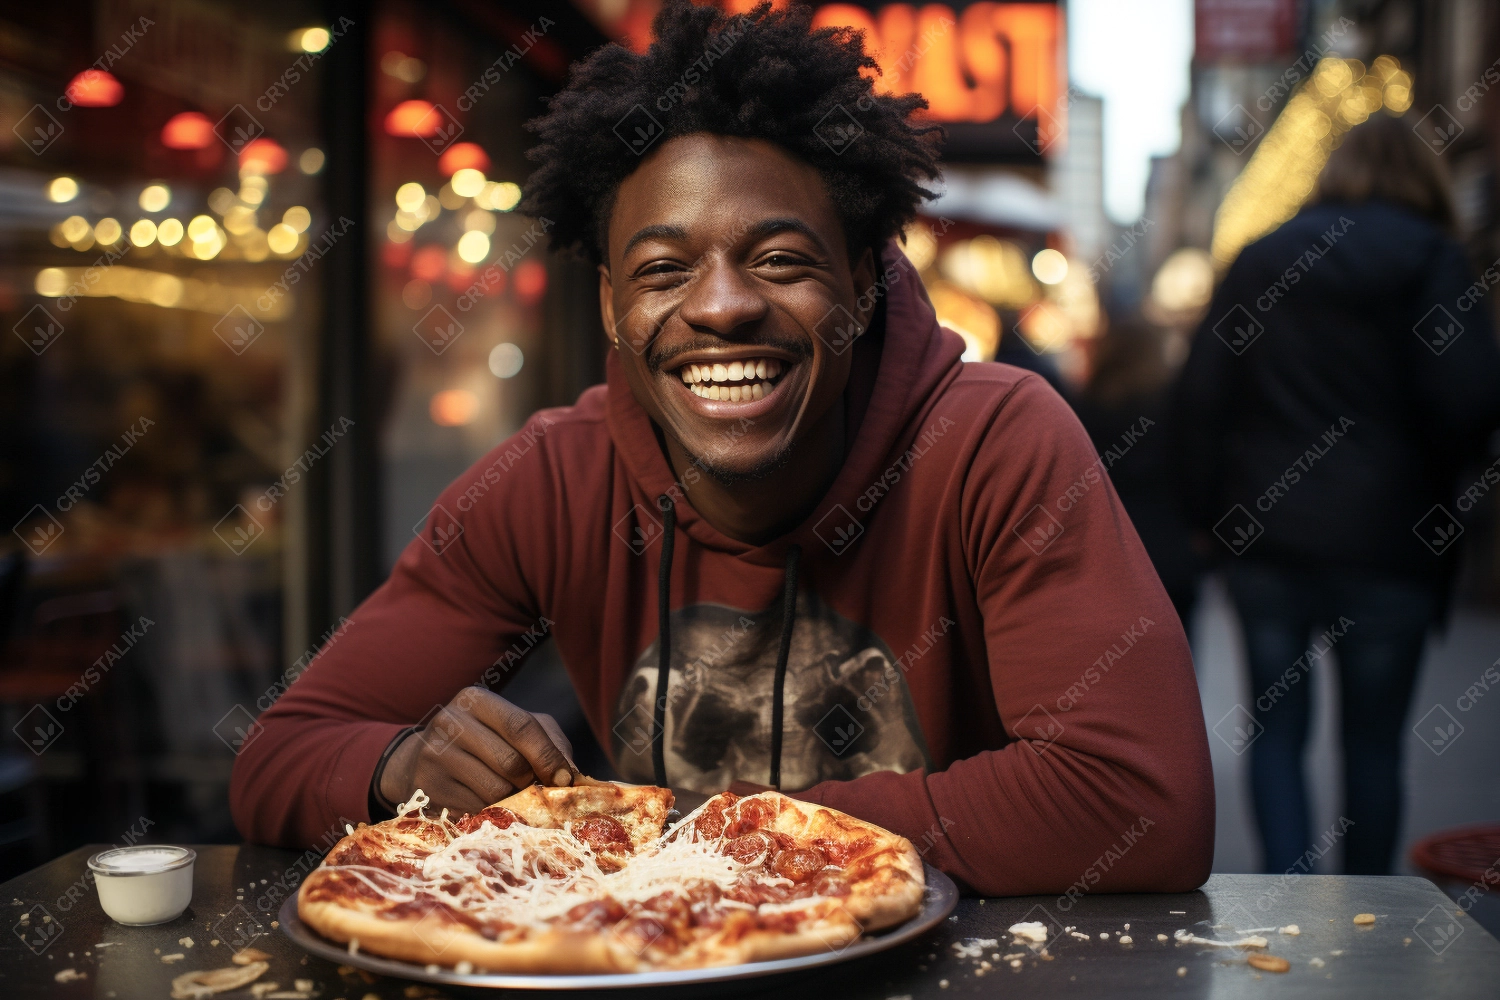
452, 606
1119, 797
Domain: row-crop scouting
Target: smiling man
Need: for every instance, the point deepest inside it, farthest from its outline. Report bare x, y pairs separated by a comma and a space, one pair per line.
794, 541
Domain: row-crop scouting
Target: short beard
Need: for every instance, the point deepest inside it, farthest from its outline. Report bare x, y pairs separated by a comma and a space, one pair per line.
756, 473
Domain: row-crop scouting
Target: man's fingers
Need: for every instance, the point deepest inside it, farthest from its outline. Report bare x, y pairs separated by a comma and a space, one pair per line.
526, 734
451, 793
559, 738
475, 774
496, 754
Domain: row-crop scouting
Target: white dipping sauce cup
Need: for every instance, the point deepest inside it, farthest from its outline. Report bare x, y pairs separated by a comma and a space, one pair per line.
148, 884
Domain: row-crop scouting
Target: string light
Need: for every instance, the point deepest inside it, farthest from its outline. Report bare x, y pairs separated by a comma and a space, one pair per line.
1284, 169
133, 284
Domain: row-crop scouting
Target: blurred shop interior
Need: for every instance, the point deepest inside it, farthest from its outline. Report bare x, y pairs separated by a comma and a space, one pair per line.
264, 295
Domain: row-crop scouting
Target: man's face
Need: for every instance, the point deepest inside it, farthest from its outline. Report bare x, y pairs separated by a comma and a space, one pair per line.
727, 281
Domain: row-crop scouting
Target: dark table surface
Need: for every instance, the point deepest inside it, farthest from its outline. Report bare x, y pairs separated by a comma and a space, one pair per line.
1421, 944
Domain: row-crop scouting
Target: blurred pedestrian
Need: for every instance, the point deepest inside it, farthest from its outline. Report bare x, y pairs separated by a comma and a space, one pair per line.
1124, 406
1329, 401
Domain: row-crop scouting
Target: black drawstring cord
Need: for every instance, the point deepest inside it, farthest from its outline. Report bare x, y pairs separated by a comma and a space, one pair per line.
788, 618
664, 646
663, 637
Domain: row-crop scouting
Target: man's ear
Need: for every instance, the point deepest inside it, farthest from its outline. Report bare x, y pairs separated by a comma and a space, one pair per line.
607, 306
863, 276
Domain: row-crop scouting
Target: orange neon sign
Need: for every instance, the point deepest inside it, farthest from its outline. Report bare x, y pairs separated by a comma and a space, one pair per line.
993, 59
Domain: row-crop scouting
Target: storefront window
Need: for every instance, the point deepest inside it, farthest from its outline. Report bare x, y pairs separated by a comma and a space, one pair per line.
160, 194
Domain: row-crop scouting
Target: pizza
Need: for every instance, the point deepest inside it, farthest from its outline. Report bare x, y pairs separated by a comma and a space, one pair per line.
587, 879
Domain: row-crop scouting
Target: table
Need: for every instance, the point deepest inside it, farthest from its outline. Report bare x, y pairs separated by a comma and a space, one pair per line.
1402, 955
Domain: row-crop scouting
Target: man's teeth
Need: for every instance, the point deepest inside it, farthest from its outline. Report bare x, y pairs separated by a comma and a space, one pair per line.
737, 381
733, 393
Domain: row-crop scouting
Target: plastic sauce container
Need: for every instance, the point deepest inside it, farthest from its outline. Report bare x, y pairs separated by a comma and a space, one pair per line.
144, 885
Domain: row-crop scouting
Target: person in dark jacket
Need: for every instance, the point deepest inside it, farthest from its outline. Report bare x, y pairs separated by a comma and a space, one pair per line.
1341, 378
1125, 409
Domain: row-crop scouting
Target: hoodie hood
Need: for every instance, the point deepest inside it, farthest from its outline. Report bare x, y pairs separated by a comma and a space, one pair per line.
900, 365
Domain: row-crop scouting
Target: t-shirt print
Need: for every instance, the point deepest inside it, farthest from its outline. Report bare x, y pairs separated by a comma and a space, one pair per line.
847, 709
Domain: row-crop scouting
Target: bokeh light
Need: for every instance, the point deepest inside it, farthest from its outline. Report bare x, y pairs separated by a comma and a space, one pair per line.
505, 360
312, 39
453, 407
155, 197
409, 196
282, 239
298, 218
188, 130
474, 246
107, 231
1049, 266
467, 182
62, 189
94, 88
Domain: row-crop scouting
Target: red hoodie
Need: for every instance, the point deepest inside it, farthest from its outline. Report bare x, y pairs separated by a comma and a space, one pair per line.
982, 658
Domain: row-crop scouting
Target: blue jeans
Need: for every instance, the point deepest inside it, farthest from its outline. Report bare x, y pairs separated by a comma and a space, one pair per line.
1376, 626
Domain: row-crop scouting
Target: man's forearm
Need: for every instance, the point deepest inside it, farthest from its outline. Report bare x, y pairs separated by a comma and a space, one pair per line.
1005, 825
297, 779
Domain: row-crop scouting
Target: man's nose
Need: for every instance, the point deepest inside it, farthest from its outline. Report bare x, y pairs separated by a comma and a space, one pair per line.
723, 300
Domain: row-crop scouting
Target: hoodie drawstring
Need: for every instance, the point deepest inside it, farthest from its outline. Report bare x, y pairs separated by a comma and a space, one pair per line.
664, 646
664, 638
788, 618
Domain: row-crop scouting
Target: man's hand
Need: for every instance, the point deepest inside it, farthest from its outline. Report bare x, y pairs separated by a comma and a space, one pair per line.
477, 750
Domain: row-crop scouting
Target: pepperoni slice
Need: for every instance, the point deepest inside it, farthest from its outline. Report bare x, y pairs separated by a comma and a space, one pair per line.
602, 833
839, 853
497, 815
355, 853
711, 821
753, 815
799, 863
750, 847
597, 913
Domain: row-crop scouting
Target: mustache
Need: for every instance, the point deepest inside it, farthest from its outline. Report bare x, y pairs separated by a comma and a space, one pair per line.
657, 360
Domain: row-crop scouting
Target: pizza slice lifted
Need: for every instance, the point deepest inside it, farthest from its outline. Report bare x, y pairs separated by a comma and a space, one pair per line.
615, 820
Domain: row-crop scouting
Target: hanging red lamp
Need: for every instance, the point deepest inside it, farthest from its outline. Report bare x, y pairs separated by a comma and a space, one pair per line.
94, 88
188, 130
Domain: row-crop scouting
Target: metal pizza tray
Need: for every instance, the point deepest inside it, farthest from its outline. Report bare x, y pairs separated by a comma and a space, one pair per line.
939, 899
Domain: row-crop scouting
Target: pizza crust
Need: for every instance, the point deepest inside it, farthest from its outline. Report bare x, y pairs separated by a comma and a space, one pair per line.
445, 943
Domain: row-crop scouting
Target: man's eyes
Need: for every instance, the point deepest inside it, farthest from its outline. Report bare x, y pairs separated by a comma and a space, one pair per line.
660, 267
681, 271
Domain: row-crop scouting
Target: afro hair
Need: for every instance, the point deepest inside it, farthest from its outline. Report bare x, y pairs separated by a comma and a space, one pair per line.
767, 75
